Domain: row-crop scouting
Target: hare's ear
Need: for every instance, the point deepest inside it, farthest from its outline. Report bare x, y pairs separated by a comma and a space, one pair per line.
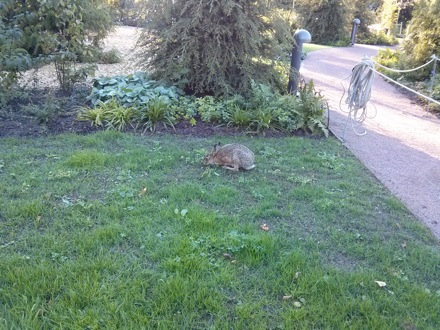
216, 146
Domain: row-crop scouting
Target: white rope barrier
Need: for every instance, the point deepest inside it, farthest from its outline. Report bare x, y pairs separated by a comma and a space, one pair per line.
433, 58
359, 91
430, 99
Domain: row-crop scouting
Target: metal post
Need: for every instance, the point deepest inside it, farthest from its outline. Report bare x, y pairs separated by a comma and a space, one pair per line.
300, 37
356, 23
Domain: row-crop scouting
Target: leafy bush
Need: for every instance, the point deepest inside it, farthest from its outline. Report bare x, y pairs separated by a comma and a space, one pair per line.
154, 112
238, 117
111, 114
45, 111
96, 116
211, 109
108, 57
97, 55
119, 117
51, 31
266, 109
423, 38
396, 60
13, 58
51, 25
390, 59
379, 38
311, 110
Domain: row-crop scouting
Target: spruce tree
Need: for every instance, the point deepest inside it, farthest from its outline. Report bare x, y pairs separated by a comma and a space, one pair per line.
211, 46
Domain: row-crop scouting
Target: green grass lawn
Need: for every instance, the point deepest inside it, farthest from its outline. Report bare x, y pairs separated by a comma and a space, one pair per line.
116, 231
307, 47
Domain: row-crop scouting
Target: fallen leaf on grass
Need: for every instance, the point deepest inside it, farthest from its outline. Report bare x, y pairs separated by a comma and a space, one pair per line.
286, 297
403, 245
381, 284
227, 255
142, 192
297, 304
264, 227
183, 212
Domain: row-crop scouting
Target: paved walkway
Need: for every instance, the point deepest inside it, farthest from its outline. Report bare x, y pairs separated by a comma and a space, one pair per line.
402, 144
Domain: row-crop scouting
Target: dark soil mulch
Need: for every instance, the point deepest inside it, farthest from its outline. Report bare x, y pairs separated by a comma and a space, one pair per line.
15, 122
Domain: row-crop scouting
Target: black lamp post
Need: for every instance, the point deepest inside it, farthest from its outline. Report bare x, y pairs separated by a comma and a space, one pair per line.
300, 37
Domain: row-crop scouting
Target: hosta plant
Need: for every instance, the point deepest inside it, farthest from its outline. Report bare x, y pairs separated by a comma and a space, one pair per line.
134, 89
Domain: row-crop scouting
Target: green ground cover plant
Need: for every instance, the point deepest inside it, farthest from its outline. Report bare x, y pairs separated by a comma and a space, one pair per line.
120, 231
152, 103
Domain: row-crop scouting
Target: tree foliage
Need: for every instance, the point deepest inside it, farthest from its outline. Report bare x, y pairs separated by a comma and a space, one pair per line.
51, 31
395, 11
12, 58
213, 47
331, 21
326, 20
127, 12
50, 24
366, 11
424, 34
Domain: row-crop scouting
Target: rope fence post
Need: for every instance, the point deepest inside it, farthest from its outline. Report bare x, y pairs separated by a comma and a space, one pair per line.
431, 89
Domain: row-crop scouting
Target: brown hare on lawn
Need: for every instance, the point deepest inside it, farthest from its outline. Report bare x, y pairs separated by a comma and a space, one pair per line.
231, 157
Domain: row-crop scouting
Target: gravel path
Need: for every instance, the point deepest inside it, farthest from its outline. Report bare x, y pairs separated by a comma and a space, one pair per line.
401, 146
123, 38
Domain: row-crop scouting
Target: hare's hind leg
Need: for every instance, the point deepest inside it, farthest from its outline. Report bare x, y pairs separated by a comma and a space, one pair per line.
232, 168
250, 167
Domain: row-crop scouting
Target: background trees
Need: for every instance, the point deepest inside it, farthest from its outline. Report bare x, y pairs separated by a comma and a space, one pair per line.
206, 47
393, 12
61, 32
422, 39
327, 21
330, 21
424, 33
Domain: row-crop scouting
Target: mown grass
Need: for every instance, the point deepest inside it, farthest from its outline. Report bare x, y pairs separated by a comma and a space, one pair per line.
115, 231
309, 47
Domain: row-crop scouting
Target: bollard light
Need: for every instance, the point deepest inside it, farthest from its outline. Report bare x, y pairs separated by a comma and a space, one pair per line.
301, 36
356, 23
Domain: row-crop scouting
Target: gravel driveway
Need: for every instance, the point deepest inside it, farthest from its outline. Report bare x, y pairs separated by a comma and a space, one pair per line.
123, 38
401, 146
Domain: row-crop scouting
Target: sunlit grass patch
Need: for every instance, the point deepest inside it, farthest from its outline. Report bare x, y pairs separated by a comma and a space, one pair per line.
122, 231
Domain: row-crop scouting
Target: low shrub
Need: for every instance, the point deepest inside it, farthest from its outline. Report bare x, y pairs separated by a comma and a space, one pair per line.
110, 114
97, 55
153, 103
377, 38
154, 112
